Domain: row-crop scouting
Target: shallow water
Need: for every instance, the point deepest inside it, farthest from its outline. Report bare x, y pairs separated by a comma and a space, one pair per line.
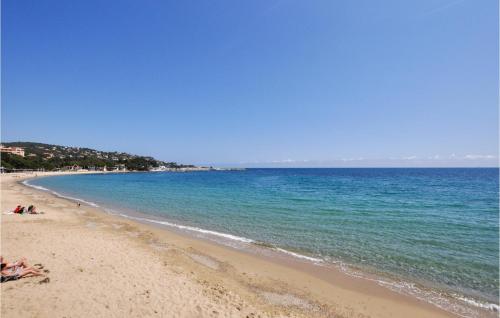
433, 228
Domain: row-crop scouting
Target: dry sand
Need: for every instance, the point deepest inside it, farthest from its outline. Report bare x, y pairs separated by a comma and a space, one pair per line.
105, 266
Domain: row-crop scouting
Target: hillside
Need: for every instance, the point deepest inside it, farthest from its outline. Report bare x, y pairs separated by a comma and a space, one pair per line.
51, 157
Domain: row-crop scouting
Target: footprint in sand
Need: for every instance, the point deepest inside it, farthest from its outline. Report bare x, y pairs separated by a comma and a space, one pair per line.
287, 300
205, 260
94, 225
159, 246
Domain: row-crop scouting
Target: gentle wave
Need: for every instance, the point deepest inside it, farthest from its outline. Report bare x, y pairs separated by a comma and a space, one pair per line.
492, 307
192, 228
223, 235
297, 255
25, 182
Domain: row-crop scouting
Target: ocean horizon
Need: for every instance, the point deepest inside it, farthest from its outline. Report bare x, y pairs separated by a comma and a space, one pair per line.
428, 232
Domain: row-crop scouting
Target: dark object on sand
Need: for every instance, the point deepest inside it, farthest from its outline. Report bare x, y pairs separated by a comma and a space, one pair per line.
6, 278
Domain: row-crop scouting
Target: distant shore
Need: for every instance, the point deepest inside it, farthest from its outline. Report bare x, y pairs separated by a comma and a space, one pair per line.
157, 272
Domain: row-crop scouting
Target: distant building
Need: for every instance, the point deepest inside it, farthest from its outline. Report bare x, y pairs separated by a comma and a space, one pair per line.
13, 150
118, 167
72, 168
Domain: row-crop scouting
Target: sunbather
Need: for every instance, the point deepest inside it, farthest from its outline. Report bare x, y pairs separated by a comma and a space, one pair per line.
16, 270
19, 209
32, 209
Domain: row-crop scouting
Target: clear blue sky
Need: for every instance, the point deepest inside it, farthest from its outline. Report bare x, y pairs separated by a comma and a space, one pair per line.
256, 83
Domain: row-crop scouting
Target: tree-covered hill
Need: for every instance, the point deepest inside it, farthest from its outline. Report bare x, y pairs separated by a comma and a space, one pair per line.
50, 157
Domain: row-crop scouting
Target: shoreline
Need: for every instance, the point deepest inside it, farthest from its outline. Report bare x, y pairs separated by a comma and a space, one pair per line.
300, 288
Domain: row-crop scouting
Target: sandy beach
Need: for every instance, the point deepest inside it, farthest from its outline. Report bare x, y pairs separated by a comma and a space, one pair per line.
101, 265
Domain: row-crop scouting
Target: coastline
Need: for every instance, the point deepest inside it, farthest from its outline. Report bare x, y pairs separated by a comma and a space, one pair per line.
260, 285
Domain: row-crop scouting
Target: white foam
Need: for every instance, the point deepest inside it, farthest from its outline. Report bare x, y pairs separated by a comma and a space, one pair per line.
473, 302
25, 182
193, 229
312, 259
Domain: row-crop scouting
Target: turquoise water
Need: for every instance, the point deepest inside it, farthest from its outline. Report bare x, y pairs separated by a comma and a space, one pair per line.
433, 229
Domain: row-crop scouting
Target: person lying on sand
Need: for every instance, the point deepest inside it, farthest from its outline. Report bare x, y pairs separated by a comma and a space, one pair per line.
19, 209
16, 270
32, 210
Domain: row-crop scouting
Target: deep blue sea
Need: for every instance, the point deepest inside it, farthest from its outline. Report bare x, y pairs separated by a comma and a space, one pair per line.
430, 232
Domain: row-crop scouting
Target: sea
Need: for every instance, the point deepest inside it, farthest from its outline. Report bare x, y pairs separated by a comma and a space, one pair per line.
432, 233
